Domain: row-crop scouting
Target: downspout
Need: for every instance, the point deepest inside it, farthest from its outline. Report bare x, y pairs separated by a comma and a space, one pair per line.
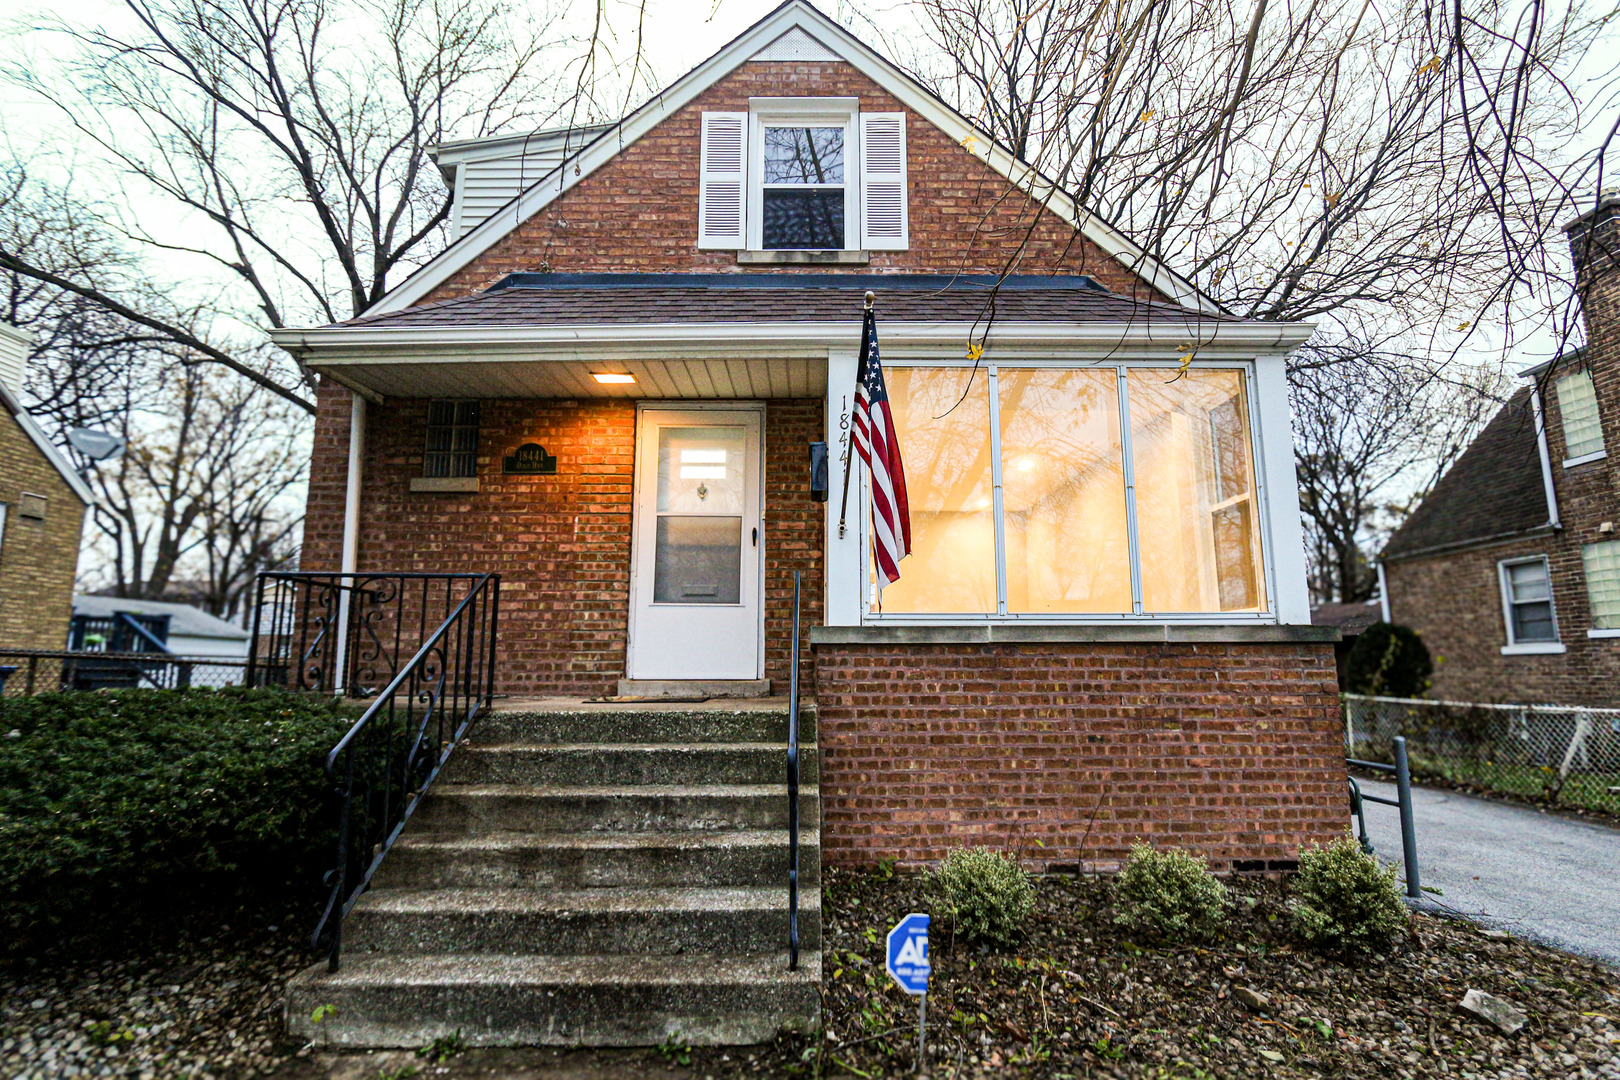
1383, 592
351, 532
1546, 458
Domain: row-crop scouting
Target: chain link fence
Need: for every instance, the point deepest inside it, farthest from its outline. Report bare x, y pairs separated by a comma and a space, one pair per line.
1561, 755
24, 672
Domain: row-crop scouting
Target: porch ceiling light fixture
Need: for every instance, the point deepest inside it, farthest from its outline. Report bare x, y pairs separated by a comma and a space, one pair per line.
613, 378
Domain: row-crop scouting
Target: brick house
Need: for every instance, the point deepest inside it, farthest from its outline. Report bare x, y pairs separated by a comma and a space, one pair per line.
1510, 569
42, 505
607, 387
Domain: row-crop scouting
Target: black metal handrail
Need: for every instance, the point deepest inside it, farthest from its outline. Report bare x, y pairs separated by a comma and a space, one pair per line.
387, 761
346, 632
1402, 802
793, 788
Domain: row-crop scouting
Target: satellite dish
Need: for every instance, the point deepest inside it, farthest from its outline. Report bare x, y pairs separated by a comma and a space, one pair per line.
96, 445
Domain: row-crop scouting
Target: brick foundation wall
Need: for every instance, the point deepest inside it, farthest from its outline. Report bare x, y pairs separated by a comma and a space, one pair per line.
639, 212
560, 543
38, 558
1234, 751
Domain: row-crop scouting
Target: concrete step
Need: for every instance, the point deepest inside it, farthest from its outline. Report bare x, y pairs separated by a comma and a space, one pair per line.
492, 809
484, 762
598, 860
556, 1000
678, 728
578, 922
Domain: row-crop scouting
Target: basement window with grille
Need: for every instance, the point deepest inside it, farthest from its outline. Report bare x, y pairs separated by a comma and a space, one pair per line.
450, 456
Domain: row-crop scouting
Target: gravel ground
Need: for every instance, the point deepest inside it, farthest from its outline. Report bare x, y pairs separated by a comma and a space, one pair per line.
203, 1007
1075, 999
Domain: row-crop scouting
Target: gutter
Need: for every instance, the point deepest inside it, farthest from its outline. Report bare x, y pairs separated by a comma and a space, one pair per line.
1466, 545
1546, 459
768, 337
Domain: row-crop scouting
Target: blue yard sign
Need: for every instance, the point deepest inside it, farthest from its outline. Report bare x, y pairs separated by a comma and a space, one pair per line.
908, 954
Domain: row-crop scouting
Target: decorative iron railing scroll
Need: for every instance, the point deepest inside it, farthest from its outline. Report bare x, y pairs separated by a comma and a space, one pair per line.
388, 760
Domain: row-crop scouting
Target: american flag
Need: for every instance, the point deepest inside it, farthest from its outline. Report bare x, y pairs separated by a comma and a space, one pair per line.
879, 446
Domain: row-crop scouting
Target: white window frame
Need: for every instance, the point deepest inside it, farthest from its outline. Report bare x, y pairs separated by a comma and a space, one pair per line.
803, 112
860, 510
1514, 647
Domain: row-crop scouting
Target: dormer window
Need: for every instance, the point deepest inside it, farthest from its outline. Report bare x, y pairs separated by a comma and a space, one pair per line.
802, 189
803, 174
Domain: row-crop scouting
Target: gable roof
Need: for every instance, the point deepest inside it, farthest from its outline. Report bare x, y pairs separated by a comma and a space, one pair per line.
784, 30
58, 460
184, 619
1493, 491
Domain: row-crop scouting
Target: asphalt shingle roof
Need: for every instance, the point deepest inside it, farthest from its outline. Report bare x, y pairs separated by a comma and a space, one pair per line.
1494, 489
550, 299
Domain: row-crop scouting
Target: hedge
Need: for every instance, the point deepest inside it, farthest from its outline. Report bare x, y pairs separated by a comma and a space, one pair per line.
144, 804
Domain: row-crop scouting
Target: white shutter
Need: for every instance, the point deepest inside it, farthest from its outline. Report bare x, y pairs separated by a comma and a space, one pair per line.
883, 181
723, 180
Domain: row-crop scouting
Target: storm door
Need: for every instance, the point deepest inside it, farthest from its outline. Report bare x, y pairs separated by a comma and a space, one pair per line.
695, 599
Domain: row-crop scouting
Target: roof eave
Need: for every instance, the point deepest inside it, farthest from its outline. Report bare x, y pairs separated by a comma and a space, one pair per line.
1248, 337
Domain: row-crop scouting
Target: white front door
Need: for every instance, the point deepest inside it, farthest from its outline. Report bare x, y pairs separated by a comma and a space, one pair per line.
696, 605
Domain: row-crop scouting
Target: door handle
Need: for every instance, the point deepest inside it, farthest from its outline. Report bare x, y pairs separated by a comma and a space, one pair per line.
756, 536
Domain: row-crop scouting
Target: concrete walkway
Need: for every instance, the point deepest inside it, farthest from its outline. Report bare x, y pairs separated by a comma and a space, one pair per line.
1541, 876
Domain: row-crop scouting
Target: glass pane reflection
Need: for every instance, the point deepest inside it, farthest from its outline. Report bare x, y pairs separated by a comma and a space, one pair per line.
1063, 492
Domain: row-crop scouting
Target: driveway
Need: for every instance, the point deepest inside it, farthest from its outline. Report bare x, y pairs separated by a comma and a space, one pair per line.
1539, 876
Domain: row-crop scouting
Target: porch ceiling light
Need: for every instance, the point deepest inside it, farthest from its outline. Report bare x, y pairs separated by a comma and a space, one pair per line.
612, 378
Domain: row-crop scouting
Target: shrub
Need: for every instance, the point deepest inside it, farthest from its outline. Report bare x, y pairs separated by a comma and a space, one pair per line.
142, 802
1170, 894
1389, 661
984, 894
1345, 901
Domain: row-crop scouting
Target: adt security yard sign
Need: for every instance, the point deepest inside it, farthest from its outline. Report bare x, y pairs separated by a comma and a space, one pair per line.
908, 954
908, 965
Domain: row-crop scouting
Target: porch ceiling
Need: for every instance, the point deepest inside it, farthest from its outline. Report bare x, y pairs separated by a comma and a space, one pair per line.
517, 378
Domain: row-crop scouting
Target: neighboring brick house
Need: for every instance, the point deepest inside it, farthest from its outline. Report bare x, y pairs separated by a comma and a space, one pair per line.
1510, 569
42, 504
1125, 651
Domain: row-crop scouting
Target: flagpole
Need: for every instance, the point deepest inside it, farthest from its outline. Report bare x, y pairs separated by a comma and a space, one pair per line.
849, 444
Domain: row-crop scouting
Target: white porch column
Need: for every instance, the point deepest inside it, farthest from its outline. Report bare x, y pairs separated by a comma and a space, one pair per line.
843, 561
351, 529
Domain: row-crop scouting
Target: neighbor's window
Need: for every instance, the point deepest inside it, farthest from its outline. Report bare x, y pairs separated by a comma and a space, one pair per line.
1602, 563
1577, 403
1527, 600
803, 188
1067, 543
452, 439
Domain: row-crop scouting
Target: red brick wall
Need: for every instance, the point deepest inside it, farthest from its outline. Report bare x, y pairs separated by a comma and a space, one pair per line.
560, 543
1235, 751
639, 212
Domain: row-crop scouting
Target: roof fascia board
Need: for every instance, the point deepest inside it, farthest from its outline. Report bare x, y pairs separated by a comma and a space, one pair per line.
911, 93
55, 456
498, 146
1455, 546
1252, 338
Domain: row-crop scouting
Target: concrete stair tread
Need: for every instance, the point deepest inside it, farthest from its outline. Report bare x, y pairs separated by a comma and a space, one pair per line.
517, 971
676, 838
628, 790
506, 742
614, 899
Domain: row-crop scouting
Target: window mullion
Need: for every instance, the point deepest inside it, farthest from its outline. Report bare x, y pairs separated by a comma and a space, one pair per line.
995, 492
1129, 469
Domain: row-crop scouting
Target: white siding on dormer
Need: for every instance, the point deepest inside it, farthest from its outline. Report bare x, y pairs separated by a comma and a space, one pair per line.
723, 181
486, 186
884, 214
